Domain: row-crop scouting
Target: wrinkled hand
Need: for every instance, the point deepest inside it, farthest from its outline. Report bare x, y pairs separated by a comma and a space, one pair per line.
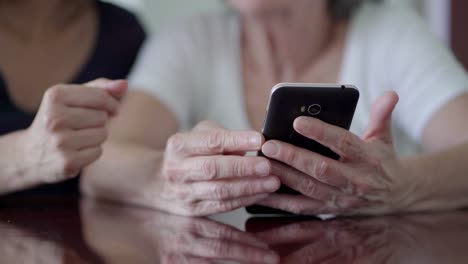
69, 128
205, 171
149, 236
366, 179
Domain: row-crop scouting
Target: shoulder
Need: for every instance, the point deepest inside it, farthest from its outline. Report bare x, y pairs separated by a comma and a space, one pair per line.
119, 40
391, 33
383, 18
116, 22
117, 14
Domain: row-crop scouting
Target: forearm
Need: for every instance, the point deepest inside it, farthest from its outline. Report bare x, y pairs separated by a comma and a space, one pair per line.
442, 179
15, 174
124, 173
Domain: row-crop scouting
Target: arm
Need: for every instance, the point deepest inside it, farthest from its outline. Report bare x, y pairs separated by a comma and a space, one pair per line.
132, 156
448, 127
65, 136
443, 179
12, 165
444, 170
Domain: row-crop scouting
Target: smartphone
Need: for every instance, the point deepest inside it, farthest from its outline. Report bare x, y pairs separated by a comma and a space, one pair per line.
332, 103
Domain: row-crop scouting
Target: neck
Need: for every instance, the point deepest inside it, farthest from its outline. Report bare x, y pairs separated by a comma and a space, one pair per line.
31, 18
292, 39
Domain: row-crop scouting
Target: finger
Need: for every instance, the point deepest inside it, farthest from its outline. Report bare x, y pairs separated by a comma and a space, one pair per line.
227, 250
354, 235
87, 156
209, 207
300, 232
382, 252
304, 183
339, 140
323, 169
211, 229
343, 257
221, 167
302, 205
380, 125
115, 88
359, 244
81, 118
227, 190
85, 138
298, 204
85, 97
295, 204
213, 143
182, 259
317, 252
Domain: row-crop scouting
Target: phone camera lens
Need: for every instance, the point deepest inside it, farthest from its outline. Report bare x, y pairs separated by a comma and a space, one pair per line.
314, 109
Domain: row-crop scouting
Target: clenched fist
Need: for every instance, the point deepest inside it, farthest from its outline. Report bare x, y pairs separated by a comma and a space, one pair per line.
69, 129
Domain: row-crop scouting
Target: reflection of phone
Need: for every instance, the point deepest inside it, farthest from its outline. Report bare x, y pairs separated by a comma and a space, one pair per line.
278, 229
331, 103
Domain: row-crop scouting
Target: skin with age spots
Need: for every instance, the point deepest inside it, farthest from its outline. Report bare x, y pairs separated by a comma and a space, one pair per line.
200, 180
358, 182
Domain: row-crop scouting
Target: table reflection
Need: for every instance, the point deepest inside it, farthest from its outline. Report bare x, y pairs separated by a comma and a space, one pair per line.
89, 231
429, 238
132, 235
42, 230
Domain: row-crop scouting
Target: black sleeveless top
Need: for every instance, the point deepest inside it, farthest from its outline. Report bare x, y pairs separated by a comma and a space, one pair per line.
119, 38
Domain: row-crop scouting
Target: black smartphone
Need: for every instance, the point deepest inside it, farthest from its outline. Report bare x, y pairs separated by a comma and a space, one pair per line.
332, 103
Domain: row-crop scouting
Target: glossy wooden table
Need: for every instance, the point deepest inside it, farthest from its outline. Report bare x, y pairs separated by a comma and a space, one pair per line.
70, 230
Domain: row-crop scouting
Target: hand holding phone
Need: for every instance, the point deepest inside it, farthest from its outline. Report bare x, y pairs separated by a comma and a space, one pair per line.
367, 178
333, 104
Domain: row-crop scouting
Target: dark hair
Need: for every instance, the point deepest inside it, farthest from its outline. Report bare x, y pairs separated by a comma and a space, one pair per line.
344, 9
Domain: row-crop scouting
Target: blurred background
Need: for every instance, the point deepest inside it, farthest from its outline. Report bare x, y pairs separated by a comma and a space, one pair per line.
445, 17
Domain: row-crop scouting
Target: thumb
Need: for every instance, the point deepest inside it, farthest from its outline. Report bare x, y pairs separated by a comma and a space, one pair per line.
380, 125
115, 88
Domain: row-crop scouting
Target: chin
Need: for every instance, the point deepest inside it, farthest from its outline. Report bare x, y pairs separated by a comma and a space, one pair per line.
258, 6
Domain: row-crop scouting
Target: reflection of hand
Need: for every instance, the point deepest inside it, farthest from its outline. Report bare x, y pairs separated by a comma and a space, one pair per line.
366, 179
21, 246
388, 240
132, 235
205, 171
322, 242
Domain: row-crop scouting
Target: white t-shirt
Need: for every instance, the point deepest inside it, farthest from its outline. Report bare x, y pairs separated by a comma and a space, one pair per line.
194, 68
